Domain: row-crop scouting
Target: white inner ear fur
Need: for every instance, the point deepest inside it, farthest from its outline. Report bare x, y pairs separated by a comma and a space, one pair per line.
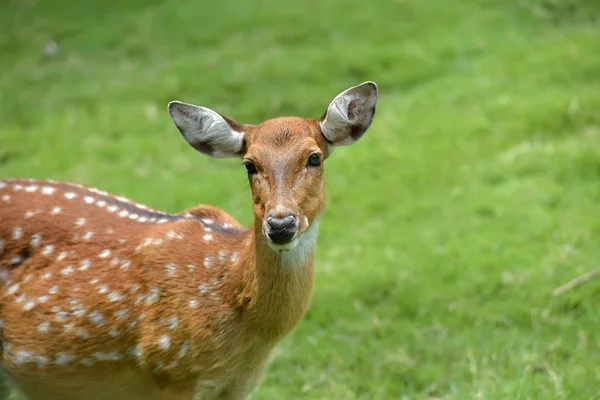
206, 131
340, 119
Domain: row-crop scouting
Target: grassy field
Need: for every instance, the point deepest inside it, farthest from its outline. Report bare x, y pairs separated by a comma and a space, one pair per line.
475, 193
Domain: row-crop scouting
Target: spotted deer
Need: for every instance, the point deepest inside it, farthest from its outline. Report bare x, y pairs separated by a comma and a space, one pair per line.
105, 298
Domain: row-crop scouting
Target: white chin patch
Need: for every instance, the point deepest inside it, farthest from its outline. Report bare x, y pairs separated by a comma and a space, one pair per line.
284, 247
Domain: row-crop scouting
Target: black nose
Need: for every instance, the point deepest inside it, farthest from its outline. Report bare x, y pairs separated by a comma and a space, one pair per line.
281, 230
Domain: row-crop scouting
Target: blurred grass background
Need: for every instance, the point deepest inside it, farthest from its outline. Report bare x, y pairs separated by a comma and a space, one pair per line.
474, 194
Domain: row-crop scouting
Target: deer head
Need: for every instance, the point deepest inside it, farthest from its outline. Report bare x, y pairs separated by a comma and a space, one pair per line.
283, 157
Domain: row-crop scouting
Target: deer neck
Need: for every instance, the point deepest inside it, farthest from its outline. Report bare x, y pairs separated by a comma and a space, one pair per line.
281, 283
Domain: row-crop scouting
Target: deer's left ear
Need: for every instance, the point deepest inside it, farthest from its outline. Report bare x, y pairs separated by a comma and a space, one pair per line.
350, 114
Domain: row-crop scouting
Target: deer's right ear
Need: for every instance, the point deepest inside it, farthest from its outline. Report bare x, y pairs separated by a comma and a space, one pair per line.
207, 131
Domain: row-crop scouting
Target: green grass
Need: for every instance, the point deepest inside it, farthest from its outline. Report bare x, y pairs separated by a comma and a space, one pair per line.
474, 194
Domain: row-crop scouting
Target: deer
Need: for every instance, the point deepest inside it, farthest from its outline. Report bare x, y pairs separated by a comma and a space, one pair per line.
102, 297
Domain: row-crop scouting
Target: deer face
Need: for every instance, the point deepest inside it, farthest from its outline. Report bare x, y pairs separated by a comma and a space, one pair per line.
282, 157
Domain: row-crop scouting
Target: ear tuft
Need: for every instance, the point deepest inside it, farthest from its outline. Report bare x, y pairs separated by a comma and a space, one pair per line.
207, 131
350, 114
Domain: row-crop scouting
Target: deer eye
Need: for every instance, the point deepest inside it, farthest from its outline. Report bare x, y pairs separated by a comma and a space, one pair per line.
250, 167
314, 160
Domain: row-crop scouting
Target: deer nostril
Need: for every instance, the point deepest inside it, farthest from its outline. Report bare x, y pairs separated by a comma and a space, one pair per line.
278, 224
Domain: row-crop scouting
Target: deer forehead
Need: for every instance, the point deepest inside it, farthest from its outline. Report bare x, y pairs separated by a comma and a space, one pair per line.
284, 138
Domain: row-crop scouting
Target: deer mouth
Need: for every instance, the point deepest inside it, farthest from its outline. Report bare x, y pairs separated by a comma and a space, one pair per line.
282, 247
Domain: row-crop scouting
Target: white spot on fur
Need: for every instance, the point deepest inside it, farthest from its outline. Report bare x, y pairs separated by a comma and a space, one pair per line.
193, 303
22, 357
208, 261
78, 310
88, 199
61, 316
43, 299
123, 213
56, 210
133, 216
48, 190
114, 332
174, 235
6, 197
35, 240
29, 304
208, 237
115, 296
164, 342
87, 235
204, 289
125, 264
65, 358
61, 256
82, 333
173, 323
41, 360
122, 314
101, 203
135, 351
47, 275
70, 195
48, 249
85, 264
191, 267
222, 255
31, 188
171, 269
97, 318
16, 260
53, 290
80, 222
183, 350
68, 270
43, 327
112, 208
153, 296
104, 253
107, 356
103, 289
17, 232
13, 289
